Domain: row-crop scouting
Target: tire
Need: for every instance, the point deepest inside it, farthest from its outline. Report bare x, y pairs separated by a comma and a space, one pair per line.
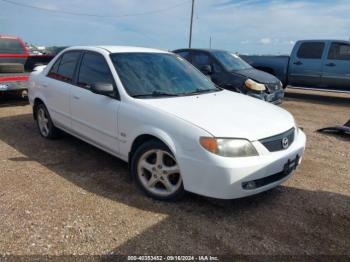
156, 172
11, 68
45, 125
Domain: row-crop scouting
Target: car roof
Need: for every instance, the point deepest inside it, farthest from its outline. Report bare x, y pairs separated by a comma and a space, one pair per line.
118, 49
325, 40
198, 49
9, 37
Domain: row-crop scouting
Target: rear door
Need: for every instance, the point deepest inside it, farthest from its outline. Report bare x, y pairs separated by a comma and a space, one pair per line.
305, 68
57, 88
94, 117
336, 69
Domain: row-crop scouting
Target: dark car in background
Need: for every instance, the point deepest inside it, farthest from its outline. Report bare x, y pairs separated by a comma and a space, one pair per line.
313, 64
230, 72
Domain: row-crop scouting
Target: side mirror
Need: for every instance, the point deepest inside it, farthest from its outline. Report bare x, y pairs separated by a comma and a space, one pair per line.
207, 70
106, 89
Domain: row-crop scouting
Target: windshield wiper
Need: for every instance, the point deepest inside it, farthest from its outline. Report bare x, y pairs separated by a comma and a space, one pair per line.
201, 91
155, 94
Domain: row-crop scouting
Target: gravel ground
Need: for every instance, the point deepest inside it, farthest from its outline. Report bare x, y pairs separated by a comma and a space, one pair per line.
66, 197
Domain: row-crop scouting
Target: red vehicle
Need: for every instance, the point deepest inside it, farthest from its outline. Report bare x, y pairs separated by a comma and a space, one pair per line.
16, 63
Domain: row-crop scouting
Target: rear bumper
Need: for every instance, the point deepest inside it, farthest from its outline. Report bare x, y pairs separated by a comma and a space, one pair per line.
13, 86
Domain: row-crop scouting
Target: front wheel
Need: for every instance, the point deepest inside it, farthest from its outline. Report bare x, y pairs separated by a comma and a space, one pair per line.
157, 172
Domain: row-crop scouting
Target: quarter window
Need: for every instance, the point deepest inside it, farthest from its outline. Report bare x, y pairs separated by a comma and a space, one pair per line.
94, 69
64, 67
311, 50
184, 54
339, 51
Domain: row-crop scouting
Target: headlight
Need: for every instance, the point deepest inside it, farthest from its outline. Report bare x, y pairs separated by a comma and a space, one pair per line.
296, 127
228, 147
251, 84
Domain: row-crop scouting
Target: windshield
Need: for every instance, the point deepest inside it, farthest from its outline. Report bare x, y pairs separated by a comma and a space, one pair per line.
230, 61
10, 46
159, 74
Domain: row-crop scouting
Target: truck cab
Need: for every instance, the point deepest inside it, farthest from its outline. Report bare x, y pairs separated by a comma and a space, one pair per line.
313, 64
324, 64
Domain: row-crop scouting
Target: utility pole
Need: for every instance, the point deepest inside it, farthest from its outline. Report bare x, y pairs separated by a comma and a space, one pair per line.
190, 41
210, 42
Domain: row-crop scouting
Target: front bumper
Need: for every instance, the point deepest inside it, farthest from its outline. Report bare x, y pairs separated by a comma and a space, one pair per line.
226, 178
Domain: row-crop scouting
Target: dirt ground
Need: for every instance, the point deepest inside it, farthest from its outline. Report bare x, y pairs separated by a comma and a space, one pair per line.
67, 197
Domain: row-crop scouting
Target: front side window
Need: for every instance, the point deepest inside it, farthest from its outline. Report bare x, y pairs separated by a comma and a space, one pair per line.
67, 63
339, 51
94, 69
200, 59
311, 50
159, 74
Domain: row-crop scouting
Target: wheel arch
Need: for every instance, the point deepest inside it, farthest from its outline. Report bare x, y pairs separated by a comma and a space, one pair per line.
150, 134
37, 101
147, 136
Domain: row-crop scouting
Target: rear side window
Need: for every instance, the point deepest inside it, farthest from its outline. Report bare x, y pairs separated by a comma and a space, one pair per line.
11, 46
311, 50
339, 51
200, 59
65, 70
94, 69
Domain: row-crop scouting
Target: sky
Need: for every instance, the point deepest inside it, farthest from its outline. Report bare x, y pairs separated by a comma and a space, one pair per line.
244, 26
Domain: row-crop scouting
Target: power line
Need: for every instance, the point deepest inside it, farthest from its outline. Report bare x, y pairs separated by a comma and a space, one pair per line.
95, 15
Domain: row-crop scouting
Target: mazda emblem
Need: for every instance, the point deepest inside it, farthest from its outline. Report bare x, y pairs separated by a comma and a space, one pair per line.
285, 142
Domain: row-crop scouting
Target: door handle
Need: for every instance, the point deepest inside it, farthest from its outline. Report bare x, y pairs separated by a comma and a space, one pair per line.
331, 64
76, 97
298, 63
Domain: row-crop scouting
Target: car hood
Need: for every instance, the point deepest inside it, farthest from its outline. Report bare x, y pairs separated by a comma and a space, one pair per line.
257, 75
228, 114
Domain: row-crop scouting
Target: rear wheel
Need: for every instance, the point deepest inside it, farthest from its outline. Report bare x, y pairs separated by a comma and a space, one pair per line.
157, 172
45, 124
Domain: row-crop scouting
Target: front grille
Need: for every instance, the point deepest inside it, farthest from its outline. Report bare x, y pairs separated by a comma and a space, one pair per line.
278, 142
272, 87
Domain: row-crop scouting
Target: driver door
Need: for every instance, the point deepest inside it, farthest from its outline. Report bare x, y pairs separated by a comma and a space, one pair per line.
202, 59
94, 116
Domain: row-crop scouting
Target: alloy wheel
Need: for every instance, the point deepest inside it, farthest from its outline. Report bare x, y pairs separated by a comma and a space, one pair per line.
43, 122
159, 172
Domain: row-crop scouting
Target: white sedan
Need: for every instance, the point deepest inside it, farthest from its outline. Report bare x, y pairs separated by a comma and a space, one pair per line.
174, 127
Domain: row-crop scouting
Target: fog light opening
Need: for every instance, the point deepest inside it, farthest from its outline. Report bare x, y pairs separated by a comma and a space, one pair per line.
249, 185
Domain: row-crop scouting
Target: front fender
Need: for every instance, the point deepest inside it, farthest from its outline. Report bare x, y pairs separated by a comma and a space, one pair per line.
149, 130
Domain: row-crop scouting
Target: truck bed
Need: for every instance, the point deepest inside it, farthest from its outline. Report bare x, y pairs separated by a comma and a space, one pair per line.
275, 65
